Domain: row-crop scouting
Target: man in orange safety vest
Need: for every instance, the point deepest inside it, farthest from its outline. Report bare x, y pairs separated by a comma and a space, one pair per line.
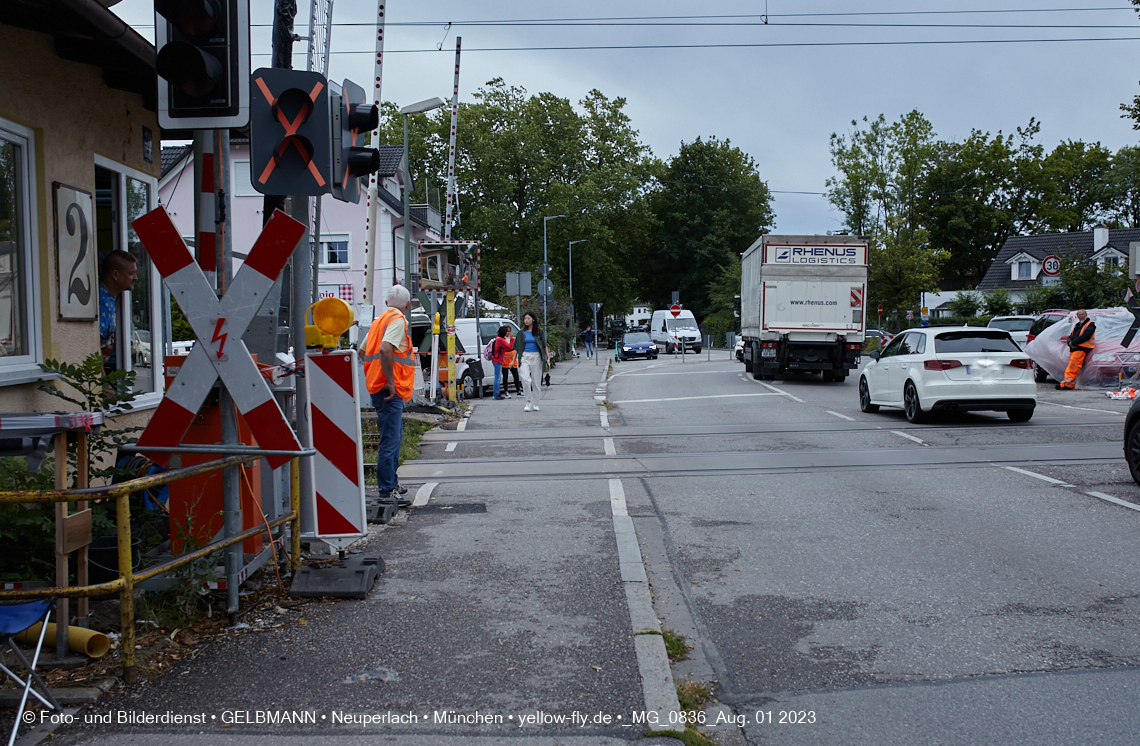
389, 373
1081, 341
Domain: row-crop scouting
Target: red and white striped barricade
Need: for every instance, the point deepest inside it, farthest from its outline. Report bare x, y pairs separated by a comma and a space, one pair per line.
219, 324
339, 514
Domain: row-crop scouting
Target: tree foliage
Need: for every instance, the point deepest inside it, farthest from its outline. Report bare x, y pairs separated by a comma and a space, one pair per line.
521, 157
711, 205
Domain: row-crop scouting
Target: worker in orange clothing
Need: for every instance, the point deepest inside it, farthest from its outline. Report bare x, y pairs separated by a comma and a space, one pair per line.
1081, 341
389, 372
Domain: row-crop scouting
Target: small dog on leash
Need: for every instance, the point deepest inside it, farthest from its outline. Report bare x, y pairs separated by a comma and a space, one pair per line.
546, 380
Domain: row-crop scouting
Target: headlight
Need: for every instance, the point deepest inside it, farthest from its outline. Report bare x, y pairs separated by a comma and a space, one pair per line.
625, 349
653, 347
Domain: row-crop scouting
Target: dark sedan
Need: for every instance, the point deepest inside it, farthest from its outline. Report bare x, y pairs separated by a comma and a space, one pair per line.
636, 344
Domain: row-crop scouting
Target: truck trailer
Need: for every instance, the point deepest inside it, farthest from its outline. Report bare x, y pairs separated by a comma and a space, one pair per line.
802, 305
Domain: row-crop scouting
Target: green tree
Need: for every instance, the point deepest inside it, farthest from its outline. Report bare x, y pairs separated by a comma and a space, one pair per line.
1082, 284
967, 304
711, 206
521, 157
1078, 190
1124, 182
902, 266
999, 302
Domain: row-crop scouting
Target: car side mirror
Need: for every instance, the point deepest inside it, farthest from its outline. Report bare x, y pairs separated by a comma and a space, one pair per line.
873, 354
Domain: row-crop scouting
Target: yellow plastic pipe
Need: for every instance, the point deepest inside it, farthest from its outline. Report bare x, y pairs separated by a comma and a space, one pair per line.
80, 639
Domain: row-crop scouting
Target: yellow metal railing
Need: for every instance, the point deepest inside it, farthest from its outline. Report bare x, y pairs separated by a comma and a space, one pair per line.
128, 578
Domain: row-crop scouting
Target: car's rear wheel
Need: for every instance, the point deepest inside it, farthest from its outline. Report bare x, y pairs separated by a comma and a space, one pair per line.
1132, 451
1019, 415
865, 404
911, 405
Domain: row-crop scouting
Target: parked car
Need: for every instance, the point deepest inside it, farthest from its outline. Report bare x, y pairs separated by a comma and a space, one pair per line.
1017, 326
740, 350
1132, 440
1109, 361
951, 369
1041, 322
636, 344
140, 347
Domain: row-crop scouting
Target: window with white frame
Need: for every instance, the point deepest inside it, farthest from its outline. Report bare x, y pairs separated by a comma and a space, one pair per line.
20, 345
122, 195
242, 183
1025, 270
334, 251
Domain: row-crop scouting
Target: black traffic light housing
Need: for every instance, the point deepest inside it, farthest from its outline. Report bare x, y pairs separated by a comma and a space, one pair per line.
202, 63
290, 144
352, 119
736, 306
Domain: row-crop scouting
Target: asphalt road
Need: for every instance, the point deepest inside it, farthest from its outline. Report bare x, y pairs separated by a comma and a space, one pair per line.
842, 578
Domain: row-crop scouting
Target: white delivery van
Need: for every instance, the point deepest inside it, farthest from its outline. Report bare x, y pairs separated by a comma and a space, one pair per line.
671, 333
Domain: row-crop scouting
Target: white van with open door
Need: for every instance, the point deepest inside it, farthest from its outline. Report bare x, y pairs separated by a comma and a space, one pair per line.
671, 333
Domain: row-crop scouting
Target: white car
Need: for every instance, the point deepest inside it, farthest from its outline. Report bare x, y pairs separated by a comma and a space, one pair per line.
950, 369
1017, 326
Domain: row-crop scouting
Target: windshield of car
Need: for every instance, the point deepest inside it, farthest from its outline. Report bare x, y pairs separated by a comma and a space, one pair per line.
635, 338
975, 341
1044, 322
142, 335
675, 324
1012, 325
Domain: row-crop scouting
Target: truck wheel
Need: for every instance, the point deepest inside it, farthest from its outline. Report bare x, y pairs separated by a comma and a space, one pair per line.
756, 367
746, 358
911, 405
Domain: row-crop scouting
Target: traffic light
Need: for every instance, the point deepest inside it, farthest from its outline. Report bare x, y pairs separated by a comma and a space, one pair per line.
736, 306
352, 119
202, 62
290, 147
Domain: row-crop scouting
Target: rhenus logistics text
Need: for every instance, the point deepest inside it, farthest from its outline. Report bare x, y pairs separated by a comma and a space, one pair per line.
845, 255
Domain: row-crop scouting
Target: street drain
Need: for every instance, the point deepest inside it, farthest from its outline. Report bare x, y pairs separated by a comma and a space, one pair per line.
457, 509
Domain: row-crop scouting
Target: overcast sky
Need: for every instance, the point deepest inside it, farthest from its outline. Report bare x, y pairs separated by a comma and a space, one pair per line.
779, 104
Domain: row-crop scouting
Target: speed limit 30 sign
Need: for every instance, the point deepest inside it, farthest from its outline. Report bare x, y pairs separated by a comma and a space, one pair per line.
1051, 265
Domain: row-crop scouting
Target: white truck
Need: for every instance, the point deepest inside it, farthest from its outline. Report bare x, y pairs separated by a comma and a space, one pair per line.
802, 305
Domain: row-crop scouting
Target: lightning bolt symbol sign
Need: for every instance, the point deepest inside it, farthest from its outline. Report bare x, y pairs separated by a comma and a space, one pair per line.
219, 337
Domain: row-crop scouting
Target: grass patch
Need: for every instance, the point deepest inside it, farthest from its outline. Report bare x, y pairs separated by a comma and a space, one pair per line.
693, 695
675, 646
413, 432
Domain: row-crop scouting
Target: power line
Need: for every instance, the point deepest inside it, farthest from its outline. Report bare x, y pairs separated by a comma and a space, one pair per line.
756, 45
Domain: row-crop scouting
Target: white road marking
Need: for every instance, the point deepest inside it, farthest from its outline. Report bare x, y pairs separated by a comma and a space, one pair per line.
1084, 409
605, 420
461, 426
778, 391
681, 373
657, 685
1035, 475
1114, 500
841, 416
423, 494
450, 447
608, 444
908, 437
691, 398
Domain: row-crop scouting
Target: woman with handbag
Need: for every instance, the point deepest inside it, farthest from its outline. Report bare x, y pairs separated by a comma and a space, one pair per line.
530, 348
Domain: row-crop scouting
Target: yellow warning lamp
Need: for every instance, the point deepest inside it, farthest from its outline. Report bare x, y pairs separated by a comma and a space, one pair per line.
331, 318
435, 324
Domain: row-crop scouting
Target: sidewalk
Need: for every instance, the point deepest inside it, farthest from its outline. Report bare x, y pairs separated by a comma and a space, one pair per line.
504, 613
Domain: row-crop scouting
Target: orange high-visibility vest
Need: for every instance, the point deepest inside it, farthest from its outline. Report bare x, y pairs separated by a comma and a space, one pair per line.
404, 363
1087, 345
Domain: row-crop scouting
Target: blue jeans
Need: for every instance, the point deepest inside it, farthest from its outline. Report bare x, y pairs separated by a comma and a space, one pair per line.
498, 377
390, 423
589, 349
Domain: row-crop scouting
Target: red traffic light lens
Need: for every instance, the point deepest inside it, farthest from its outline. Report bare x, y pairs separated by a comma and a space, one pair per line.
195, 18
193, 70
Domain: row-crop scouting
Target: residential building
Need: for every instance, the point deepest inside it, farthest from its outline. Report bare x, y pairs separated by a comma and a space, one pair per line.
1018, 265
79, 160
642, 313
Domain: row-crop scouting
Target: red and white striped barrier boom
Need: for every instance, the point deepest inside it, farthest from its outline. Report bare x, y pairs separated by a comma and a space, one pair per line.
338, 466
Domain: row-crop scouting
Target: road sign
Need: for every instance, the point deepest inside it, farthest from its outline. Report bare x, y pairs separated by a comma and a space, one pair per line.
518, 283
880, 309
1051, 265
545, 287
910, 315
339, 512
595, 307
219, 324
545, 269
675, 310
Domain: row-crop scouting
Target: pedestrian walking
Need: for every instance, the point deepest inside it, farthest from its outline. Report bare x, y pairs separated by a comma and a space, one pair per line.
530, 347
390, 374
511, 366
588, 338
499, 347
1081, 342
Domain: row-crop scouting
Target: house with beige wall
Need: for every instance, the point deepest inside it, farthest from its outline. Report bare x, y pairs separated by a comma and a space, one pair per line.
79, 159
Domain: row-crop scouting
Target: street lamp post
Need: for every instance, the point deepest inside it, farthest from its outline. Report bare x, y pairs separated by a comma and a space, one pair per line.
418, 108
544, 297
573, 314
